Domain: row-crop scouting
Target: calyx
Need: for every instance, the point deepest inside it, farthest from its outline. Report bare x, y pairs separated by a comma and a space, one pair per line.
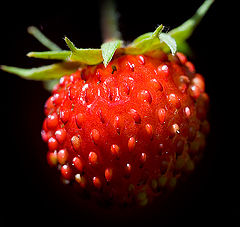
174, 40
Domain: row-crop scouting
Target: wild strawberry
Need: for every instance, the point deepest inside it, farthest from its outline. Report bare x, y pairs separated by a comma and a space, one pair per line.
157, 134
125, 122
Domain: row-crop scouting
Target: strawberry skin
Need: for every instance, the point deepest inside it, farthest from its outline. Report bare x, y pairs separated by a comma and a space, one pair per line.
128, 132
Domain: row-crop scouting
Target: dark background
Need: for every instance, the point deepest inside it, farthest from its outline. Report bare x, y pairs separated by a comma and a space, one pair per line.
32, 192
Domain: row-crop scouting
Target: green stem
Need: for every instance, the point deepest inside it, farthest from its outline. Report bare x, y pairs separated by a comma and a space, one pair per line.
109, 21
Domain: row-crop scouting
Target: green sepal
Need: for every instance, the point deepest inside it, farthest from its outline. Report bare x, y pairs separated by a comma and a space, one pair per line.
75, 58
146, 39
152, 41
172, 41
43, 39
49, 72
183, 46
169, 41
55, 55
84, 56
185, 30
142, 37
144, 42
108, 50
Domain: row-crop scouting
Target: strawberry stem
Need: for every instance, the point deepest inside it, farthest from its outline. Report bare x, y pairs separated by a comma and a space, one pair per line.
109, 21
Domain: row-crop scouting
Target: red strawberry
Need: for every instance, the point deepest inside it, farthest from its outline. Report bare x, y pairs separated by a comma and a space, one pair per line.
124, 123
128, 132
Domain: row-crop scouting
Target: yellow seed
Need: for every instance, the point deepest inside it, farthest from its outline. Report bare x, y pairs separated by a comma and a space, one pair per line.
142, 199
172, 182
131, 188
162, 181
180, 162
141, 195
143, 202
189, 165
154, 184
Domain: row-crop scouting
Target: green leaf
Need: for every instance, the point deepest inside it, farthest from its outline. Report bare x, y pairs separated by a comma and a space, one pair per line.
142, 37
56, 55
84, 56
152, 41
183, 47
176, 38
48, 72
144, 42
43, 39
108, 50
171, 43
184, 31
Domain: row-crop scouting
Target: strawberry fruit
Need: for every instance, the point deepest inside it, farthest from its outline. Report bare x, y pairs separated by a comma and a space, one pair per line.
129, 132
124, 123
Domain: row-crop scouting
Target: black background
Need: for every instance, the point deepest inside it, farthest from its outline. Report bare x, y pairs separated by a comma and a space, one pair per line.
32, 192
